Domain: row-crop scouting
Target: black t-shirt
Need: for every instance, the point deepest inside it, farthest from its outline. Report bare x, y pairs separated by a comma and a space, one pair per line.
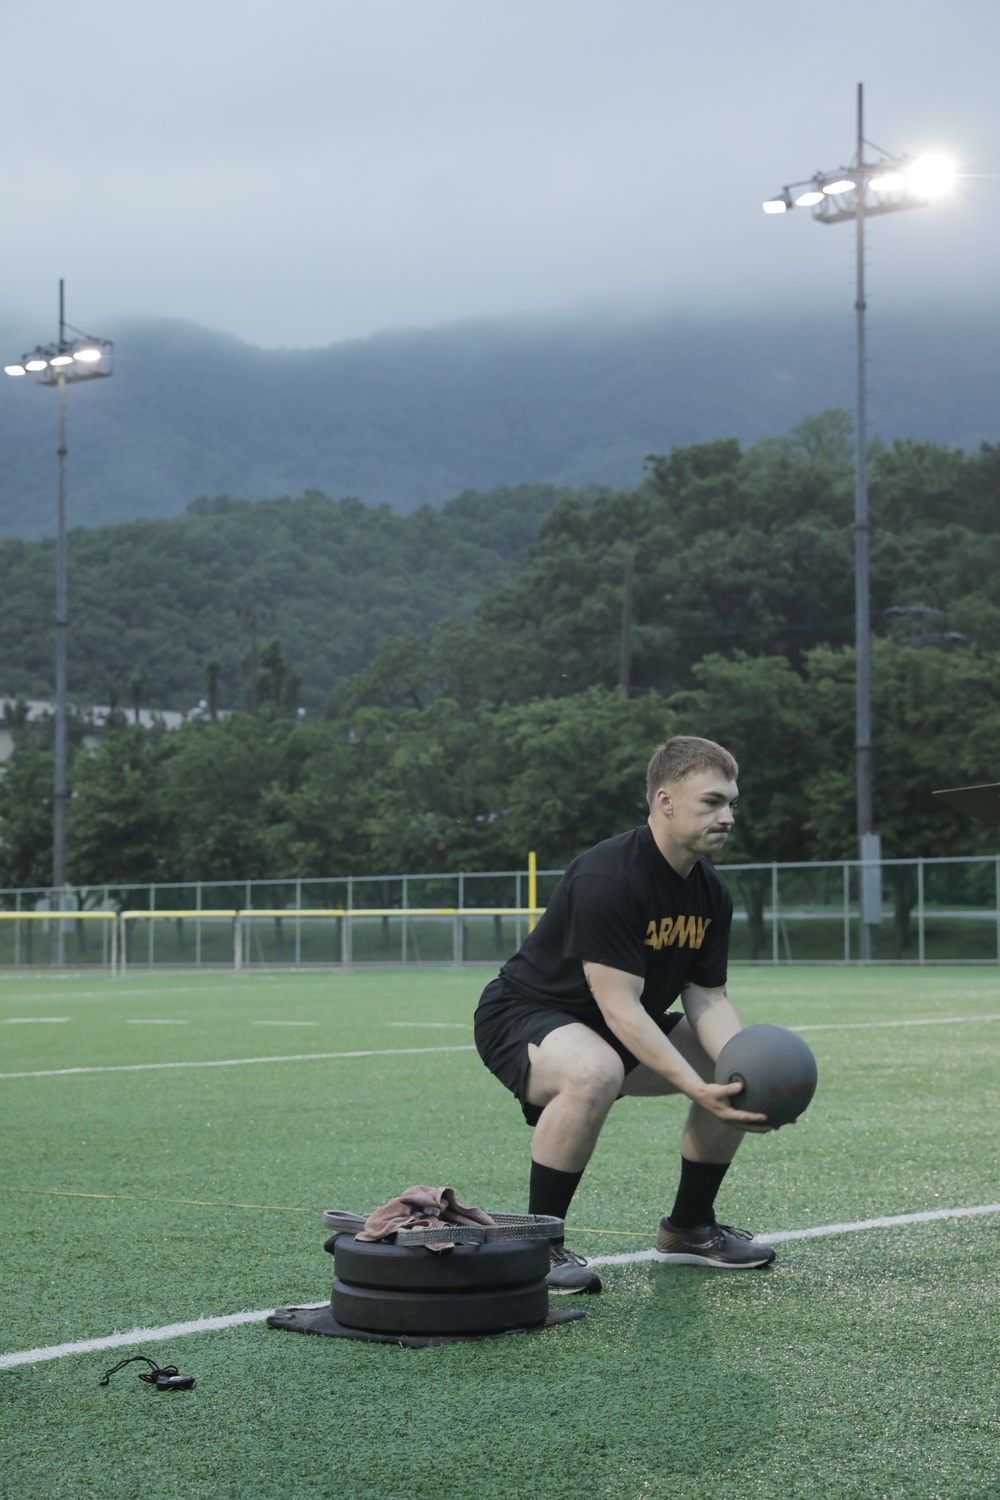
623, 905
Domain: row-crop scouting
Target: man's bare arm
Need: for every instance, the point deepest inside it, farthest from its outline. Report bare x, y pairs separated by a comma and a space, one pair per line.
711, 1015
618, 996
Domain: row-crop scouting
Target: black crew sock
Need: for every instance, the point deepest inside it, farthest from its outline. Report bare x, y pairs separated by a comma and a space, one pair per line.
551, 1191
695, 1201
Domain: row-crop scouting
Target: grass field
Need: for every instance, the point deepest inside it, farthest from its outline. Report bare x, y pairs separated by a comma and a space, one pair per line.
144, 1185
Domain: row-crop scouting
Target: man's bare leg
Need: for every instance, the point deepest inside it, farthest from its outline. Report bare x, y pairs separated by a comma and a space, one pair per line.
575, 1077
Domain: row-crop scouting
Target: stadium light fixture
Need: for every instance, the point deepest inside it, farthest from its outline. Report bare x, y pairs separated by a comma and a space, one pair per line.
65, 362
854, 194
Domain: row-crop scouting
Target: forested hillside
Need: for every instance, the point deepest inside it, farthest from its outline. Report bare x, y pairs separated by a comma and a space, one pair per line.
412, 418
156, 602
467, 744
731, 549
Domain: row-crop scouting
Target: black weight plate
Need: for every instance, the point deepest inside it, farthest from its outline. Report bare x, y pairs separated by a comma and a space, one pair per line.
500, 1263
439, 1312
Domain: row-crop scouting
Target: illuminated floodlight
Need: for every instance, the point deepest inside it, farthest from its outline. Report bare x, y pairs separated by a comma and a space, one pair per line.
73, 357
930, 176
779, 204
850, 195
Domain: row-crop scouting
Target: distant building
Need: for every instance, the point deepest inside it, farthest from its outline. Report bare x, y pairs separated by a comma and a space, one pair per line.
95, 719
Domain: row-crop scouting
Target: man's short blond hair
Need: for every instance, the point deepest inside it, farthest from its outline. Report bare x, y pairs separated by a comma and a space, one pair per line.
683, 756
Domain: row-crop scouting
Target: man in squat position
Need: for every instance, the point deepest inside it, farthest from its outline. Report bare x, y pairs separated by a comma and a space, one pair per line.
580, 1016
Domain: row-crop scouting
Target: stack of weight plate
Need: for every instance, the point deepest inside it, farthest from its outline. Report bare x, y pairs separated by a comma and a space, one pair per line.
492, 1282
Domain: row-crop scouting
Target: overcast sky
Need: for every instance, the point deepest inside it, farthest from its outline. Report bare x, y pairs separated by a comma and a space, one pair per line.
298, 172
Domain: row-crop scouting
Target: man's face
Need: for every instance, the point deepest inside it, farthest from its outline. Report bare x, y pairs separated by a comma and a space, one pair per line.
699, 811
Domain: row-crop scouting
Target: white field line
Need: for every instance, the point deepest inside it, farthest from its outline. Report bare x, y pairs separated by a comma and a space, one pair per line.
240, 1062
820, 1231
435, 1025
236, 1062
231, 1320
35, 1020
284, 1023
111, 993
914, 1021
152, 1021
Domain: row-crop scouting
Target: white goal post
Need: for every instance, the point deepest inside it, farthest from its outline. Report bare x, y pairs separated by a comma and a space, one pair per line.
10, 922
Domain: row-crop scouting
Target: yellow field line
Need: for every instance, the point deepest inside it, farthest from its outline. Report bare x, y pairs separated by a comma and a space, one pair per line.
260, 1207
137, 1198
629, 1234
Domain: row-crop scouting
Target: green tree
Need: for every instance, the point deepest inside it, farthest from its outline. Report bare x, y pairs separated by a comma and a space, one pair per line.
438, 800
575, 769
119, 830
279, 685
216, 780
936, 723
213, 671
138, 683
315, 808
759, 709
26, 818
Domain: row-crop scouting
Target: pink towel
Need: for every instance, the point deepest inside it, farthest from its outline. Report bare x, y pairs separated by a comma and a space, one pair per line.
421, 1208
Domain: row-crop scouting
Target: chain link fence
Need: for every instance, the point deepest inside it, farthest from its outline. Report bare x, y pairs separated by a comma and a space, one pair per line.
932, 911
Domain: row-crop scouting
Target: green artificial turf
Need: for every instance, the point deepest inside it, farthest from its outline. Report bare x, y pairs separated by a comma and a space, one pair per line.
860, 1364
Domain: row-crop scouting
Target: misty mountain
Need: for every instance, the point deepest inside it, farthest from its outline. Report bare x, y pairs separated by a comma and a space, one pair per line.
411, 418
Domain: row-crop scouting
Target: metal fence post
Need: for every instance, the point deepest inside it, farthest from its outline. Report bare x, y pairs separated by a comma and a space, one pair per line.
921, 949
197, 926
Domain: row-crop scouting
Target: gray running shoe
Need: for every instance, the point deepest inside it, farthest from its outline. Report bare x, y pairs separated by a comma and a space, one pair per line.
568, 1273
711, 1245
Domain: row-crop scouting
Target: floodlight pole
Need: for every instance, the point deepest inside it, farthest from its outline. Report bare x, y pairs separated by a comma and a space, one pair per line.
862, 583
68, 360
836, 197
60, 793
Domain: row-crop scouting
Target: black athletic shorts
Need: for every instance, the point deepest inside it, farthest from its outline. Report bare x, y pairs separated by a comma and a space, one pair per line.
505, 1023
